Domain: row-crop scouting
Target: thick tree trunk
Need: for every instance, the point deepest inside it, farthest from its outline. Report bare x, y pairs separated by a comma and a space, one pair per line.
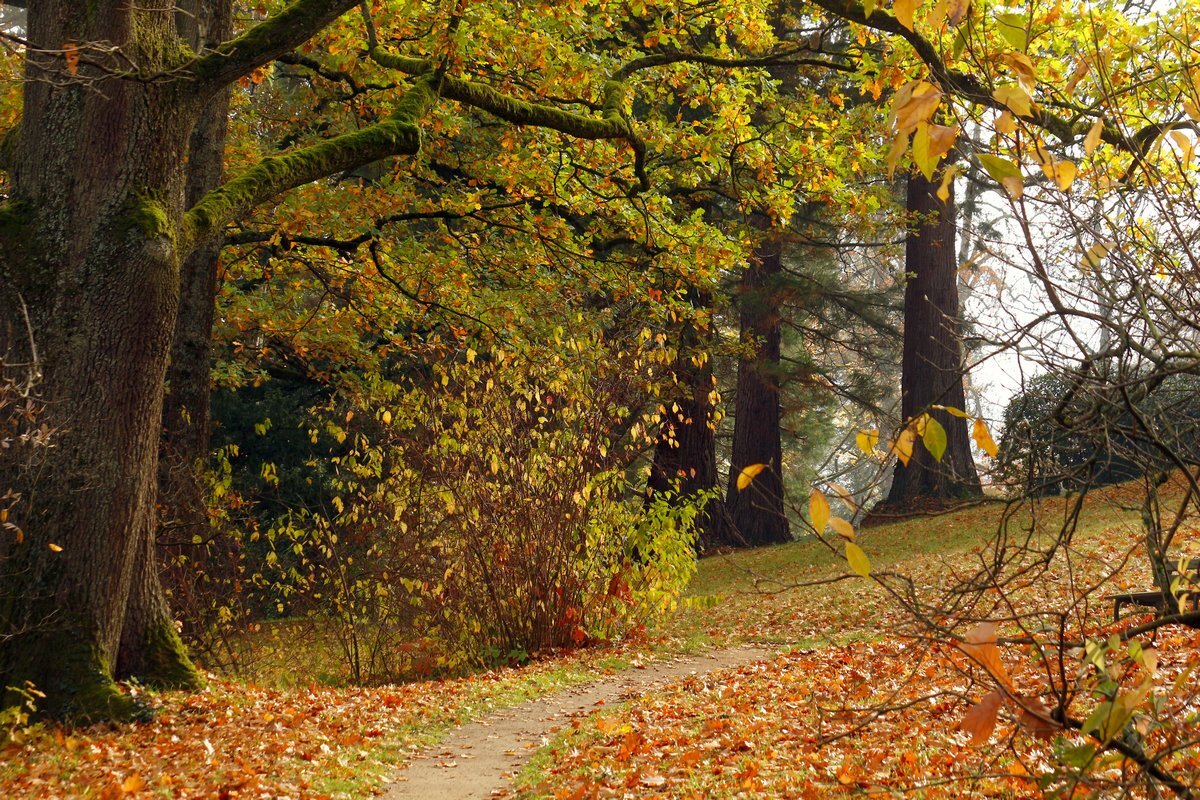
758, 511
90, 244
685, 454
932, 361
183, 510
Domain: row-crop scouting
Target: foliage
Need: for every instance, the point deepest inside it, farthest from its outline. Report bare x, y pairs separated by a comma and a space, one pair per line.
480, 514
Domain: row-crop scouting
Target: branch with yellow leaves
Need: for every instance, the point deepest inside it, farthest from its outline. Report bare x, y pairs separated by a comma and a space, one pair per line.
972, 89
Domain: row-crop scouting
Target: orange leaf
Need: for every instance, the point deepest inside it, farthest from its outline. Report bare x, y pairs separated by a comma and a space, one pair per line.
980, 719
134, 783
1035, 718
71, 54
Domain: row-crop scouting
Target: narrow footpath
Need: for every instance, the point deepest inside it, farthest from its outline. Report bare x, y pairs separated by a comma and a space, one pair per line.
480, 759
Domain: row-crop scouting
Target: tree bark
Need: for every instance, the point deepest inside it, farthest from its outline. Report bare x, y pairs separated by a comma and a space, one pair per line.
758, 511
932, 361
97, 198
685, 453
183, 511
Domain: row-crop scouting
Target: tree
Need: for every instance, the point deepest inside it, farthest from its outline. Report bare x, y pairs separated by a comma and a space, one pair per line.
685, 450
757, 510
93, 237
932, 361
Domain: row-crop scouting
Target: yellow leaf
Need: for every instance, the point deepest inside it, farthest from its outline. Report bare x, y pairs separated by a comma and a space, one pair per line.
1186, 145
748, 474
919, 107
858, 560
1081, 69
934, 437
1092, 140
1022, 65
843, 495
842, 527
999, 168
54, 548
866, 440
1064, 174
938, 15
818, 510
948, 176
1095, 254
903, 446
952, 411
895, 152
941, 139
903, 9
134, 783
1015, 97
1192, 110
956, 10
387, 417
1014, 186
983, 438
868, 7
1061, 172
1006, 122
930, 144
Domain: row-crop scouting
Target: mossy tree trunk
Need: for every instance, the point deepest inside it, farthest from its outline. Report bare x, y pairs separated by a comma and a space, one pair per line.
90, 247
932, 360
97, 190
183, 510
758, 511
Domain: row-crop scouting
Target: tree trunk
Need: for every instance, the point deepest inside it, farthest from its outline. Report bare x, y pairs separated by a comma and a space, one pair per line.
183, 509
931, 364
685, 454
89, 243
758, 511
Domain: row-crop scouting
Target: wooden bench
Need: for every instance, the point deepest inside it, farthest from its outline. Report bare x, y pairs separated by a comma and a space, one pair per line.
1153, 598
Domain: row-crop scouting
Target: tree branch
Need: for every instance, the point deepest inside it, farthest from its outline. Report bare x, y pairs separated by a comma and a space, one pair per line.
970, 88
267, 40
398, 134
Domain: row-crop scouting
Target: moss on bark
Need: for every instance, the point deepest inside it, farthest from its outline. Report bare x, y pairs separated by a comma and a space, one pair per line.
82, 689
165, 662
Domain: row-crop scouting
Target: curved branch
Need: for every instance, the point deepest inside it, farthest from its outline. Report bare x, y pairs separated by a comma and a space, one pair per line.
398, 134
266, 41
970, 88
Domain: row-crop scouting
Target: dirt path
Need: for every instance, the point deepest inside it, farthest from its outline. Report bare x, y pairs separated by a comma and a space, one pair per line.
479, 760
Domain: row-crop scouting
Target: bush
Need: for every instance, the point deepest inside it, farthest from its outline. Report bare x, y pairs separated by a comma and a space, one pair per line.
1062, 435
485, 518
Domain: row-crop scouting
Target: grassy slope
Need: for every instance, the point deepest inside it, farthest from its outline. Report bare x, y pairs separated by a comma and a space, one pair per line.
774, 731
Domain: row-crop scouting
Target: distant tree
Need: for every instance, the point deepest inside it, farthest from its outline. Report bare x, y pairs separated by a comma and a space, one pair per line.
932, 359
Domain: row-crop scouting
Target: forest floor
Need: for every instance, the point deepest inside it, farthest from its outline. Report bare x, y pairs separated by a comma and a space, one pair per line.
798, 716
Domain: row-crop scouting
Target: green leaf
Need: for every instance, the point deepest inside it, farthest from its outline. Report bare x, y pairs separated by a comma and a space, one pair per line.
999, 168
858, 560
1012, 28
934, 438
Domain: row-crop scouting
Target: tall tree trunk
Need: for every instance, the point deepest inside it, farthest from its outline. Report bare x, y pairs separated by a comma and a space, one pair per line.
758, 511
89, 243
932, 361
183, 510
685, 454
